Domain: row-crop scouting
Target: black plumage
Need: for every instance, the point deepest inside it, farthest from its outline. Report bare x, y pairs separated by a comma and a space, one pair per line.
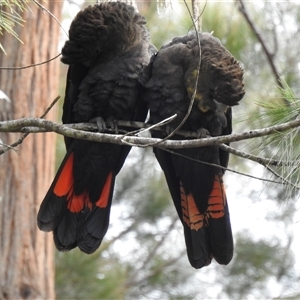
107, 50
196, 188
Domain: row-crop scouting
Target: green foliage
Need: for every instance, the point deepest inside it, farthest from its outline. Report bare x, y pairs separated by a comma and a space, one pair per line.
9, 16
281, 146
156, 203
169, 23
281, 110
218, 18
221, 19
81, 276
255, 262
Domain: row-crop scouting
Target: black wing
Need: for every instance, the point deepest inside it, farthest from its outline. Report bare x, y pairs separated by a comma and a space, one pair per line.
195, 184
107, 51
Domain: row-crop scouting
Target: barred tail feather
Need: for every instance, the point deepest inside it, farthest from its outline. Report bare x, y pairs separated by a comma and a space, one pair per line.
218, 223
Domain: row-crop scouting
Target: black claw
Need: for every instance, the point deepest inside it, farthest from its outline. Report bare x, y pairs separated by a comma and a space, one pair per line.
203, 133
112, 124
108, 125
100, 123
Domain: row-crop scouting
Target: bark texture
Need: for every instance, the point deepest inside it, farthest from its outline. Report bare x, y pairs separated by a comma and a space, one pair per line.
26, 254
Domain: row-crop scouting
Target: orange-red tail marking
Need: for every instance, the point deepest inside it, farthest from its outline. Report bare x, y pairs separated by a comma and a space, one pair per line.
65, 180
215, 209
217, 199
65, 187
104, 197
76, 202
190, 212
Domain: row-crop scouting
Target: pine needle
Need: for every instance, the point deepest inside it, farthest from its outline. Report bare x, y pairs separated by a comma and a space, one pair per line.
9, 17
283, 146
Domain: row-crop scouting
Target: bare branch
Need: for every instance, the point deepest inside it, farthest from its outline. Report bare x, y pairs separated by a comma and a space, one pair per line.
148, 128
142, 142
31, 66
197, 15
284, 180
7, 147
51, 14
269, 55
50, 107
261, 160
21, 139
65, 130
226, 169
266, 162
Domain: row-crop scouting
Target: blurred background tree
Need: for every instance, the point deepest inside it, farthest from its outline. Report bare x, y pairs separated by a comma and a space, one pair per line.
26, 254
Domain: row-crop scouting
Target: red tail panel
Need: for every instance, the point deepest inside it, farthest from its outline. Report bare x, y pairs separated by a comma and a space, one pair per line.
190, 212
215, 209
77, 202
105, 194
217, 200
65, 180
65, 187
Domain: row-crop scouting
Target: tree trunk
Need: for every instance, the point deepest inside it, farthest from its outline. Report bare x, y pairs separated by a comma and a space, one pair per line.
26, 254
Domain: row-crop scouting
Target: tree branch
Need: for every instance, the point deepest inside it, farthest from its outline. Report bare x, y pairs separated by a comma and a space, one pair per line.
269, 55
52, 15
40, 125
265, 162
261, 160
22, 138
32, 65
228, 169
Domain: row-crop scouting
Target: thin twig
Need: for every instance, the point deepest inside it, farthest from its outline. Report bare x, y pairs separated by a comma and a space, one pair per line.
150, 127
284, 180
22, 138
17, 125
196, 16
244, 12
265, 162
50, 107
196, 80
261, 160
221, 167
159, 124
31, 66
9, 147
52, 15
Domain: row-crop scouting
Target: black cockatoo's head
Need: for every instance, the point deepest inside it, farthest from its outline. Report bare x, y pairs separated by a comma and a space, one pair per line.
220, 77
97, 27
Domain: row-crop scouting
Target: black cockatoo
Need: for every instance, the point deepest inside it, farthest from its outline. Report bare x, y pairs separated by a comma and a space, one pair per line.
108, 48
196, 188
